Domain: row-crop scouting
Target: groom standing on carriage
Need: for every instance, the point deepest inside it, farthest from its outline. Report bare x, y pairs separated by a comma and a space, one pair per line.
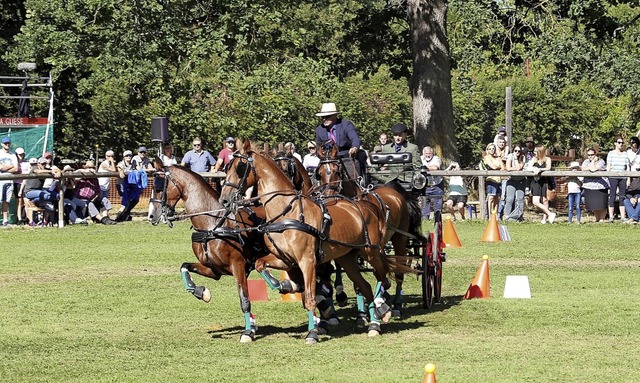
343, 134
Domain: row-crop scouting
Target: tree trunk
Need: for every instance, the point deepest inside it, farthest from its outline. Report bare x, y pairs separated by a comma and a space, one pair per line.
430, 83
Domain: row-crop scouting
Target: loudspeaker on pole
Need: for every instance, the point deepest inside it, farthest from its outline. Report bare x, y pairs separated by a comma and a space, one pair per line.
159, 129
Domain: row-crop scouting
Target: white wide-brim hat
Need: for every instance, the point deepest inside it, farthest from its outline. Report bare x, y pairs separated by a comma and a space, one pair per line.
328, 109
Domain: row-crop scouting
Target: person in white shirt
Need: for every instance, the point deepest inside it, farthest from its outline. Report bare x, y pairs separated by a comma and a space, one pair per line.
311, 159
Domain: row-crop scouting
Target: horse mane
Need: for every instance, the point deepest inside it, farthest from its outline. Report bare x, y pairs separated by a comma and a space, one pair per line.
202, 183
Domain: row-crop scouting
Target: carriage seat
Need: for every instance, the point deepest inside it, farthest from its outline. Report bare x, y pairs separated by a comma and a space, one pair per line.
391, 158
394, 158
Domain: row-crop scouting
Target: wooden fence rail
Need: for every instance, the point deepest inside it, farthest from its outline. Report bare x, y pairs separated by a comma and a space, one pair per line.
480, 174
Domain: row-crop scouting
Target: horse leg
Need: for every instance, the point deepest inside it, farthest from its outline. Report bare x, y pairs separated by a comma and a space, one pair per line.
399, 242
363, 290
200, 292
250, 328
287, 286
307, 266
378, 308
341, 296
324, 299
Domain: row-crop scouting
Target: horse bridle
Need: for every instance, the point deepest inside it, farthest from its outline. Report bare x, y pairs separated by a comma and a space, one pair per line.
249, 167
167, 210
333, 185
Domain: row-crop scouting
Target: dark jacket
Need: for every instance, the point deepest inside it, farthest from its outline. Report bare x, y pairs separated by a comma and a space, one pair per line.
346, 136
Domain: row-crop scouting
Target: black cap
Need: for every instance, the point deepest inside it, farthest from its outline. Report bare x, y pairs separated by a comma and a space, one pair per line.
398, 128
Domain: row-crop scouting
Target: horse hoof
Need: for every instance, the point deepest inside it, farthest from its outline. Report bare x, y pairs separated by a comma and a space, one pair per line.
395, 313
342, 299
312, 337
247, 336
374, 330
206, 295
386, 317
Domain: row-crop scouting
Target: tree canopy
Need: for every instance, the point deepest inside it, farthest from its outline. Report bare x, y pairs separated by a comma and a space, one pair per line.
261, 69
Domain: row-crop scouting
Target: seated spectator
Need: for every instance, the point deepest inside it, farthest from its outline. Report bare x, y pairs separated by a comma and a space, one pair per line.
73, 213
631, 201
34, 190
141, 161
107, 166
88, 196
457, 194
133, 183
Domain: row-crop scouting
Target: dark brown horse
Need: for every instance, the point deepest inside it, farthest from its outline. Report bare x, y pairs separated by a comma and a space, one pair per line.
221, 242
335, 180
294, 169
303, 232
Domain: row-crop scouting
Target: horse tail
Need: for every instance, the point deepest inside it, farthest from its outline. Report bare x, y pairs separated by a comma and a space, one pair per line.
415, 215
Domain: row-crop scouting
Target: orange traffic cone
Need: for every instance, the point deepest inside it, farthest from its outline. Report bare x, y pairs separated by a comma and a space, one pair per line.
450, 236
479, 287
296, 297
492, 232
429, 373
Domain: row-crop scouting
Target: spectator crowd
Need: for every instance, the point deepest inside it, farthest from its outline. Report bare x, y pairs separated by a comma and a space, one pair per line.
86, 199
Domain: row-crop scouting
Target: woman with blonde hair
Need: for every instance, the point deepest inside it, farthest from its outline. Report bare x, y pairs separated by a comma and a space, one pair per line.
539, 185
492, 161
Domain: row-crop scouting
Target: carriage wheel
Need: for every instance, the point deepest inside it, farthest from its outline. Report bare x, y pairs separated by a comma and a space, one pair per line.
428, 277
437, 246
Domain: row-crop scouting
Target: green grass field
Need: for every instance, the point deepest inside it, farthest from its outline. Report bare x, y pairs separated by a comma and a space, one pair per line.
106, 304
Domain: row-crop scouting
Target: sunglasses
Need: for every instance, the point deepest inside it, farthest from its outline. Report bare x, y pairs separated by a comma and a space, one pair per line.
619, 142
197, 144
517, 151
591, 154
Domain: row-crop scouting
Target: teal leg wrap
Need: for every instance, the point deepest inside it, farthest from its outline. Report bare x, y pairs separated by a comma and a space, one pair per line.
372, 313
379, 291
360, 302
247, 321
270, 279
312, 322
188, 282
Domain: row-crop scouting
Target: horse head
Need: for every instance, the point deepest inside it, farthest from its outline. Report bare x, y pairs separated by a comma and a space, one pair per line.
241, 175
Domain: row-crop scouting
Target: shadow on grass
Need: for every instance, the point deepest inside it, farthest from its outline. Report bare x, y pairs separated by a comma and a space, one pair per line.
347, 326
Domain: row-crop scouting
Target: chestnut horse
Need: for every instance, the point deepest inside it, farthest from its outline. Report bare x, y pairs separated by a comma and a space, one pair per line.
335, 180
305, 232
221, 243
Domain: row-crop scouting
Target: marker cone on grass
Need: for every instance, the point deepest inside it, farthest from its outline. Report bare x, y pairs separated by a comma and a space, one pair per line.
450, 236
492, 231
480, 285
429, 373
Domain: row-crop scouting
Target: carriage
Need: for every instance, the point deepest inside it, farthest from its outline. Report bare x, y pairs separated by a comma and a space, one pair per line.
427, 252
